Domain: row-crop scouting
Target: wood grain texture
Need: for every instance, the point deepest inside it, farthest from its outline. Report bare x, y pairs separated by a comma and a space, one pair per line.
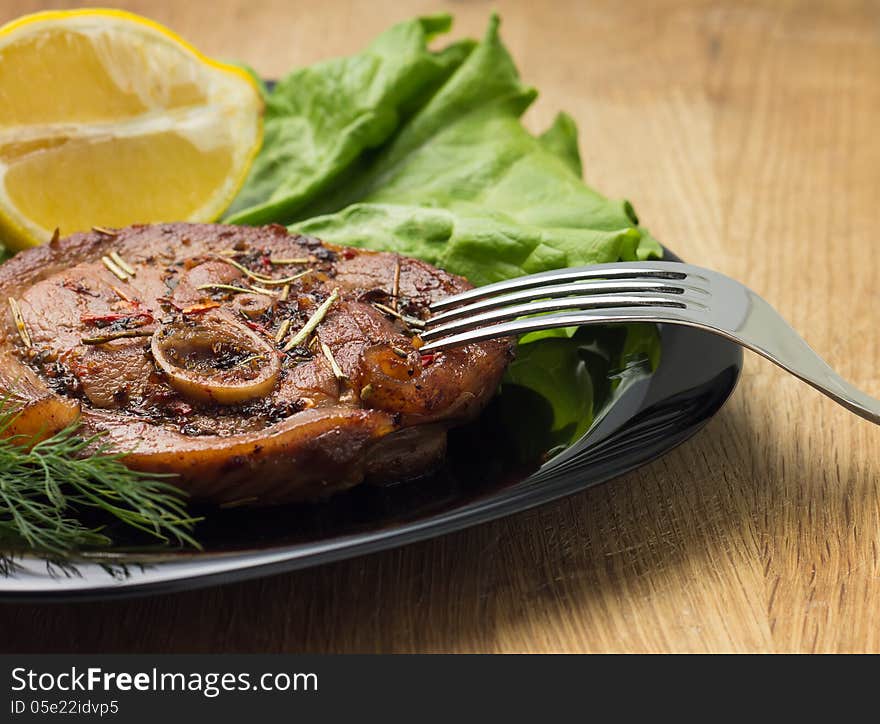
746, 135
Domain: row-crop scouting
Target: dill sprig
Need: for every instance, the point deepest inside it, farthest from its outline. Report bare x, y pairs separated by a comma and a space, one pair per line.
46, 488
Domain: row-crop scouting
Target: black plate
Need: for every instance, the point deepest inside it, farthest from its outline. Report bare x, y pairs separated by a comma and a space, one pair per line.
697, 374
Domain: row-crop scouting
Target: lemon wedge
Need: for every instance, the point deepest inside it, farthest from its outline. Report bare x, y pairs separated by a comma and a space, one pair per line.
109, 119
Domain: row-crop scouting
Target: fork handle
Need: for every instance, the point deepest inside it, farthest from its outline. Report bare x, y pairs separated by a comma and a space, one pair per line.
768, 334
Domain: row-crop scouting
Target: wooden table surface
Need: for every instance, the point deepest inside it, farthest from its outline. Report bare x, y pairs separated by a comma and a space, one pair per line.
746, 134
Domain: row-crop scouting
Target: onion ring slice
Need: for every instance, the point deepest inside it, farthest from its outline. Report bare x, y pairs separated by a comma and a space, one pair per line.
215, 359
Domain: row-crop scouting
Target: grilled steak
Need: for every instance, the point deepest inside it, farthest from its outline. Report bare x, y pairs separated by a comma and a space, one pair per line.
259, 366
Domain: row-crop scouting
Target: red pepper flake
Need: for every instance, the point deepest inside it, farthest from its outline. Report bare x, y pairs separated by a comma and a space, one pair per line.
428, 358
349, 254
257, 327
200, 308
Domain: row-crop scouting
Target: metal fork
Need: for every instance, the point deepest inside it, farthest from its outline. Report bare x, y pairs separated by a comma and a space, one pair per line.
660, 292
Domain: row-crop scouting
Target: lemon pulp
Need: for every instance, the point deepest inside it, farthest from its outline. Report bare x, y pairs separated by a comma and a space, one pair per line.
107, 119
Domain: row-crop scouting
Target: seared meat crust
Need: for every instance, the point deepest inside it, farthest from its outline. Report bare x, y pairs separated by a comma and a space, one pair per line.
264, 421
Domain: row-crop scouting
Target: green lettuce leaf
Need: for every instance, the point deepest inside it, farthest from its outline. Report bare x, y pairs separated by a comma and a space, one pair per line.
557, 388
320, 119
423, 152
547, 367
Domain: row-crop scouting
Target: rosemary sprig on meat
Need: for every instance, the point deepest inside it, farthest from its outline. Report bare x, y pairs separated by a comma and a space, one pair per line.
334, 365
395, 286
105, 230
282, 331
248, 360
19, 323
405, 318
312, 322
115, 269
122, 264
261, 278
119, 334
46, 488
265, 292
234, 289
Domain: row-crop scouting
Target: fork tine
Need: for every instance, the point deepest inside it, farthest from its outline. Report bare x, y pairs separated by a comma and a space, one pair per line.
736, 313
552, 291
517, 327
622, 270
596, 301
